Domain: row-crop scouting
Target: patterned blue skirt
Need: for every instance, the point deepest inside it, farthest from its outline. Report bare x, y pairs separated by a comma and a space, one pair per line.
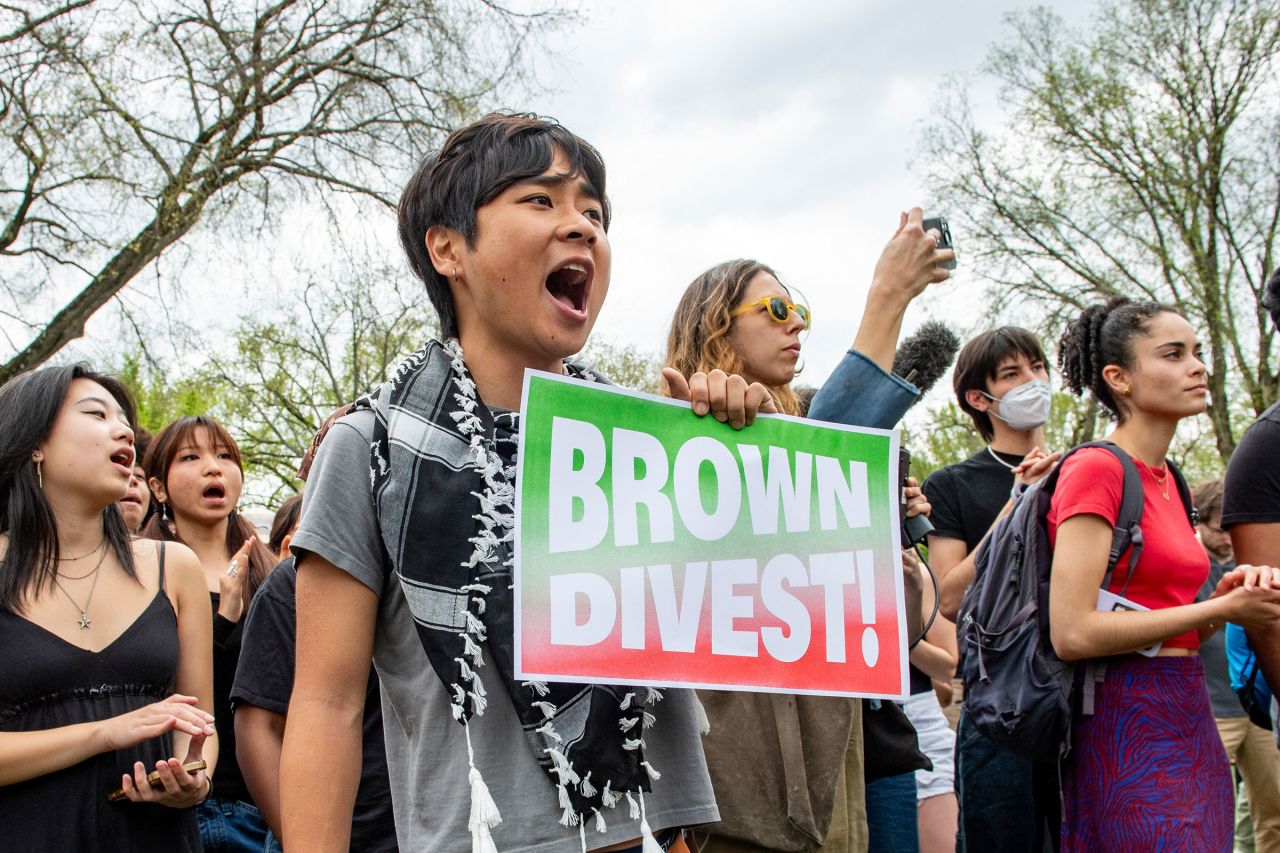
1148, 772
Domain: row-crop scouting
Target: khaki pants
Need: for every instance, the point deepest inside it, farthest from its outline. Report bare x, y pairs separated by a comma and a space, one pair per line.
1252, 749
848, 833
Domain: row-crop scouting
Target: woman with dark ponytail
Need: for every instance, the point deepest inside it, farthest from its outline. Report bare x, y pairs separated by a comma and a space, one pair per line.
1146, 770
195, 471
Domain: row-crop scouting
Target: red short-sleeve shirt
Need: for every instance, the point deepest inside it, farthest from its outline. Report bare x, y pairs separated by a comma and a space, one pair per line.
1173, 565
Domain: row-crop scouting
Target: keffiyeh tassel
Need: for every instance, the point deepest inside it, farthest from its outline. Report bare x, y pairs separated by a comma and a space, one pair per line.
648, 844
484, 811
700, 716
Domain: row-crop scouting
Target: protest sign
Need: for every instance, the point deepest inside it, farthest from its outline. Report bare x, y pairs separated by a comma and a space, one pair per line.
657, 548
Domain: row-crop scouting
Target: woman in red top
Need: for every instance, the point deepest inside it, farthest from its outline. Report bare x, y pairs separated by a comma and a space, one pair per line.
1146, 770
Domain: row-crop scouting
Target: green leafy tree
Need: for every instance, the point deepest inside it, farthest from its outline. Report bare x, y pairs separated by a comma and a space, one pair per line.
162, 398
1139, 156
623, 364
285, 374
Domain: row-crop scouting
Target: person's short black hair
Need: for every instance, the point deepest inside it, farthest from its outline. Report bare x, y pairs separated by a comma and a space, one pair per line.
978, 362
475, 164
1271, 297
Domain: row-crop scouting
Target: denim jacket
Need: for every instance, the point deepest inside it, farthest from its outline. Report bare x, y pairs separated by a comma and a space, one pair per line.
860, 393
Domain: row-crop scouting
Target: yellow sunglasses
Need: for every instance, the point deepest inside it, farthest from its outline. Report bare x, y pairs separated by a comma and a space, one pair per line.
779, 309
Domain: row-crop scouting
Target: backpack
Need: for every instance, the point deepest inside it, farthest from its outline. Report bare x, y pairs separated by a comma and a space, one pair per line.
1017, 691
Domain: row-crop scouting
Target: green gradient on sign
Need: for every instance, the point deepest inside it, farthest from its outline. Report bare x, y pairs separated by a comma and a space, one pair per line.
672, 425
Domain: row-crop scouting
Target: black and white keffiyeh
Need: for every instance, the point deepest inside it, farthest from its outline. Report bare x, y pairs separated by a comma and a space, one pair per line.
443, 474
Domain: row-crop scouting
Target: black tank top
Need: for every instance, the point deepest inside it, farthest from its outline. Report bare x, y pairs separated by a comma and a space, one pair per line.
45, 683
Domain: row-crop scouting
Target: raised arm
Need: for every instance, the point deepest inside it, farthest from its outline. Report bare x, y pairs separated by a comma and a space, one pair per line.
320, 764
909, 263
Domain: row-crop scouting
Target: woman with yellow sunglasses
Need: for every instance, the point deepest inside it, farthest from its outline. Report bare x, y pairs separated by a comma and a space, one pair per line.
736, 322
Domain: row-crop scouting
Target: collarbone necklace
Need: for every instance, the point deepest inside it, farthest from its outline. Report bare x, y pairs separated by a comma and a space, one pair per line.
85, 621
102, 544
90, 553
998, 459
1162, 482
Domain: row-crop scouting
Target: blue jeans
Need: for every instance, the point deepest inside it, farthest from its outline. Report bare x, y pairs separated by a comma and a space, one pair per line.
231, 826
891, 815
1008, 804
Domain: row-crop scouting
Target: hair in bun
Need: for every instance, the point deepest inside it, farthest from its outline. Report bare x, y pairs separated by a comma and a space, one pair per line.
1103, 334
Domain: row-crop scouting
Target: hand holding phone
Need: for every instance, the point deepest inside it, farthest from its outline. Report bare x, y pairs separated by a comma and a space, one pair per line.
939, 224
153, 778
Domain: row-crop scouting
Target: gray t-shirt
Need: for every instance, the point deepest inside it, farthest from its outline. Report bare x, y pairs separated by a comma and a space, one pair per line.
426, 747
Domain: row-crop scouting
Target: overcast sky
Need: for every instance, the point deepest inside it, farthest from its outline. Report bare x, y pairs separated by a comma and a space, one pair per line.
780, 131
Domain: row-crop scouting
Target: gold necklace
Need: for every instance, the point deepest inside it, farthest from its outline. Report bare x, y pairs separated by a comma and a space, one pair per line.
85, 621
1161, 482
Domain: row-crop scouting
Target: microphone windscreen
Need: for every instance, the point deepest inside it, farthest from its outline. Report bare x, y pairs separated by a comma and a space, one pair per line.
925, 355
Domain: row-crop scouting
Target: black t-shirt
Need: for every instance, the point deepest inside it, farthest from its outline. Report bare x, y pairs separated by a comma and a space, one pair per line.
1252, 490
967, 496
265, 679
228, 784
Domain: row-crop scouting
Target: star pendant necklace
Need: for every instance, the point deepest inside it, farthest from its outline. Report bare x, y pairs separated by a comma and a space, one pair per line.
85, 621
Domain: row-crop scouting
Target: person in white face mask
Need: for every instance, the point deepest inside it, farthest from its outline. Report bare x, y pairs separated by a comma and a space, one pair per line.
1001, 381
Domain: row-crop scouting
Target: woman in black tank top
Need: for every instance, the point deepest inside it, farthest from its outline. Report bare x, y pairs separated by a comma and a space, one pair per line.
195, 470
104, 664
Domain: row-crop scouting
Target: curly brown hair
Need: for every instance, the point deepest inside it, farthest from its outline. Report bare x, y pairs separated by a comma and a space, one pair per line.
699, 337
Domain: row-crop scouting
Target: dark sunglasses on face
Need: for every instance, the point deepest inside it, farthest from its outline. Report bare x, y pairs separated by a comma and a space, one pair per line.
779, 309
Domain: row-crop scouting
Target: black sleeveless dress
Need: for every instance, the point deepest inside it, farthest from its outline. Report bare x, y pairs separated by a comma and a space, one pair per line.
45, 683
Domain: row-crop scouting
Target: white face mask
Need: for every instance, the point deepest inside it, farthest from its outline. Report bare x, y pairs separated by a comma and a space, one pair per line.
1023, 408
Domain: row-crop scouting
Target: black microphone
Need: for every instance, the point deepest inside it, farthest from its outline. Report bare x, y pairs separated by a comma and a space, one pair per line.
926, 354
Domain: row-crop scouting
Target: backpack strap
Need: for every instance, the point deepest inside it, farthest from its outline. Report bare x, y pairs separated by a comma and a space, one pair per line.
1184, 492
1127, 530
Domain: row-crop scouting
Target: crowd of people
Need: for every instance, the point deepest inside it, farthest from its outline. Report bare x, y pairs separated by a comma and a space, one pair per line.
327, 687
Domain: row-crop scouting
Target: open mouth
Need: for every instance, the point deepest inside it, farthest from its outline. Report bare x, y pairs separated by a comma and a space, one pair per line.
214, 492
124, 456
569, 285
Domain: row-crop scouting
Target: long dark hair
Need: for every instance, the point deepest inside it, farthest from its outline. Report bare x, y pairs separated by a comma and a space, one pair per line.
164, 447
29, 406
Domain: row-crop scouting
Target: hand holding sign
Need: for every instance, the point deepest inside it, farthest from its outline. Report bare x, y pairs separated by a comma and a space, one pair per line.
727, 397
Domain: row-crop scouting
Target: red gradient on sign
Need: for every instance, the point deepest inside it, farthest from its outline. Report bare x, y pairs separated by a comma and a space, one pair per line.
608, 660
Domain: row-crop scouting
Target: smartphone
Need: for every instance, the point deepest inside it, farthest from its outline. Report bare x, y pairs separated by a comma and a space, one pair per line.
153, 779
940, 225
